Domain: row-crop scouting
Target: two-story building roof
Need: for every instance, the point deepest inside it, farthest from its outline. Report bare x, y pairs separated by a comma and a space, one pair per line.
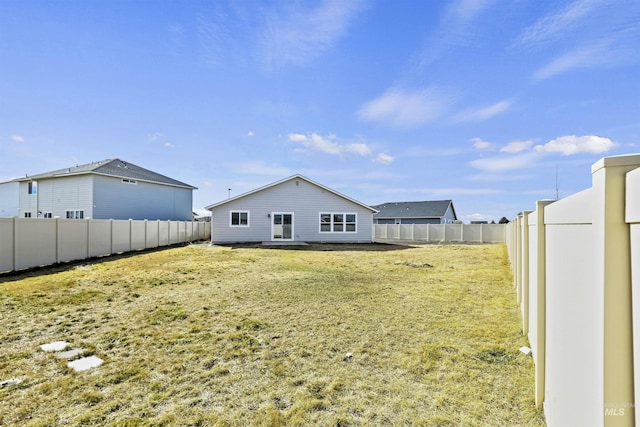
109, 189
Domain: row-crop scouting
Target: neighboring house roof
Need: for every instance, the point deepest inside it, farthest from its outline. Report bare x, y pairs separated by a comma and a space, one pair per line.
111, 167
297, 176
426, 209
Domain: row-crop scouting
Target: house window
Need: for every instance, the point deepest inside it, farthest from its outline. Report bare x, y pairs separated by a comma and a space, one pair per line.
332, 222
129, 181
239, 218
27, 214
47, 215
32, 187
77, 214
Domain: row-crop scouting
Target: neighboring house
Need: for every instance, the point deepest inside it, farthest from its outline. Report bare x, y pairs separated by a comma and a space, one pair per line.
9, 199
295, 209
110, 189
427, 212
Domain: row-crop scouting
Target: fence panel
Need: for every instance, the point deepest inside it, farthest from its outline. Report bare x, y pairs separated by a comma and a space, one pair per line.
73, 236
120, 236
6, 244
138, 235
33, 242
164, 233
173, 233
153, 235
99, 237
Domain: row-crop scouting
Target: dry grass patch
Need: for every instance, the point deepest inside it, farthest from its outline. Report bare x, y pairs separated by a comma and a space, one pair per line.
330, 335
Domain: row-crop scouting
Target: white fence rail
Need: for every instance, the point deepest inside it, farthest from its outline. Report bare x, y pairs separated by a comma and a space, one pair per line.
31, 242
472, 233
576, 265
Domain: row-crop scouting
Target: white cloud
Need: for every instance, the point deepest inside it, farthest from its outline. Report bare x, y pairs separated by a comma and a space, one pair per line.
329, 144
483, 113
297, 137
404, 108
517, 146
554, 25
477, 217
168, 145
156, 136
17, 138
479, 144
467, 10
383, 158
250, 133
572, 144
501, 164
358, 148
592, 56
297, 35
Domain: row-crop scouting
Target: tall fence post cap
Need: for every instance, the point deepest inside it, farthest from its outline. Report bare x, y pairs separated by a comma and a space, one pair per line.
613, 161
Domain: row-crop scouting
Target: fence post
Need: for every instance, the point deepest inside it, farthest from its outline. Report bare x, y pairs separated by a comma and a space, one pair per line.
612, 245
541, 299
57, 239
525, 272
15, 243
88, 236
518, 248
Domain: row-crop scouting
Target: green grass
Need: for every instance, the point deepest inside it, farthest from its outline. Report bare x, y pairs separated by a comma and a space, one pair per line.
331, 335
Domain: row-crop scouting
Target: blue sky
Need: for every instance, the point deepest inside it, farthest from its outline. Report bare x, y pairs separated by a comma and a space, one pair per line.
477, 101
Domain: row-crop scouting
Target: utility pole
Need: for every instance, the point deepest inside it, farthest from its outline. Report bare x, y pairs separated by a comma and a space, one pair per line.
557, 186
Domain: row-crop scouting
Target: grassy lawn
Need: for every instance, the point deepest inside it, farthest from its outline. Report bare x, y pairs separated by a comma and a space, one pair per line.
330, 335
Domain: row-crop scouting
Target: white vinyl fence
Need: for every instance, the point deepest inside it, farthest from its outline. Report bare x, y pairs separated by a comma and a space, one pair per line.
441, 233
576, 265
32, 242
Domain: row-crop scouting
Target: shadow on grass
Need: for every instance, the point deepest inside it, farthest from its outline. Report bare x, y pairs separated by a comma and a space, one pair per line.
323, 247
13, 276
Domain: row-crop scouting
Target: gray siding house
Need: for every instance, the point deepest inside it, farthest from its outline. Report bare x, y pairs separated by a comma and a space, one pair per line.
426, 212
109, 189
295, 209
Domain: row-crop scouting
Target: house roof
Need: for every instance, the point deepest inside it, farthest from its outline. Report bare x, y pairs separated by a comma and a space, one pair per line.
111, 167
425, 209
297, 176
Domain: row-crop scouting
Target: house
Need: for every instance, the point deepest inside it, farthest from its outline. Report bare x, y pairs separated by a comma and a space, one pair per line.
426, 212
9, 205
295, 209
109, 189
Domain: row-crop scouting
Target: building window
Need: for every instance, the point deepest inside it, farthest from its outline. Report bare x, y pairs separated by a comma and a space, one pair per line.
27, 214
239, 218
129, 181
78, 214
47, 215
32, 187
332, 222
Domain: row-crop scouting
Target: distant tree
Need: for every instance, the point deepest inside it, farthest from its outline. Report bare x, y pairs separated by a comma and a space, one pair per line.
503, 220
493, 222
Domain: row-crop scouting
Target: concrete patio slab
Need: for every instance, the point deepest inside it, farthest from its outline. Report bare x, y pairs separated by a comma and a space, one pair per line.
54, 346
85, 363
